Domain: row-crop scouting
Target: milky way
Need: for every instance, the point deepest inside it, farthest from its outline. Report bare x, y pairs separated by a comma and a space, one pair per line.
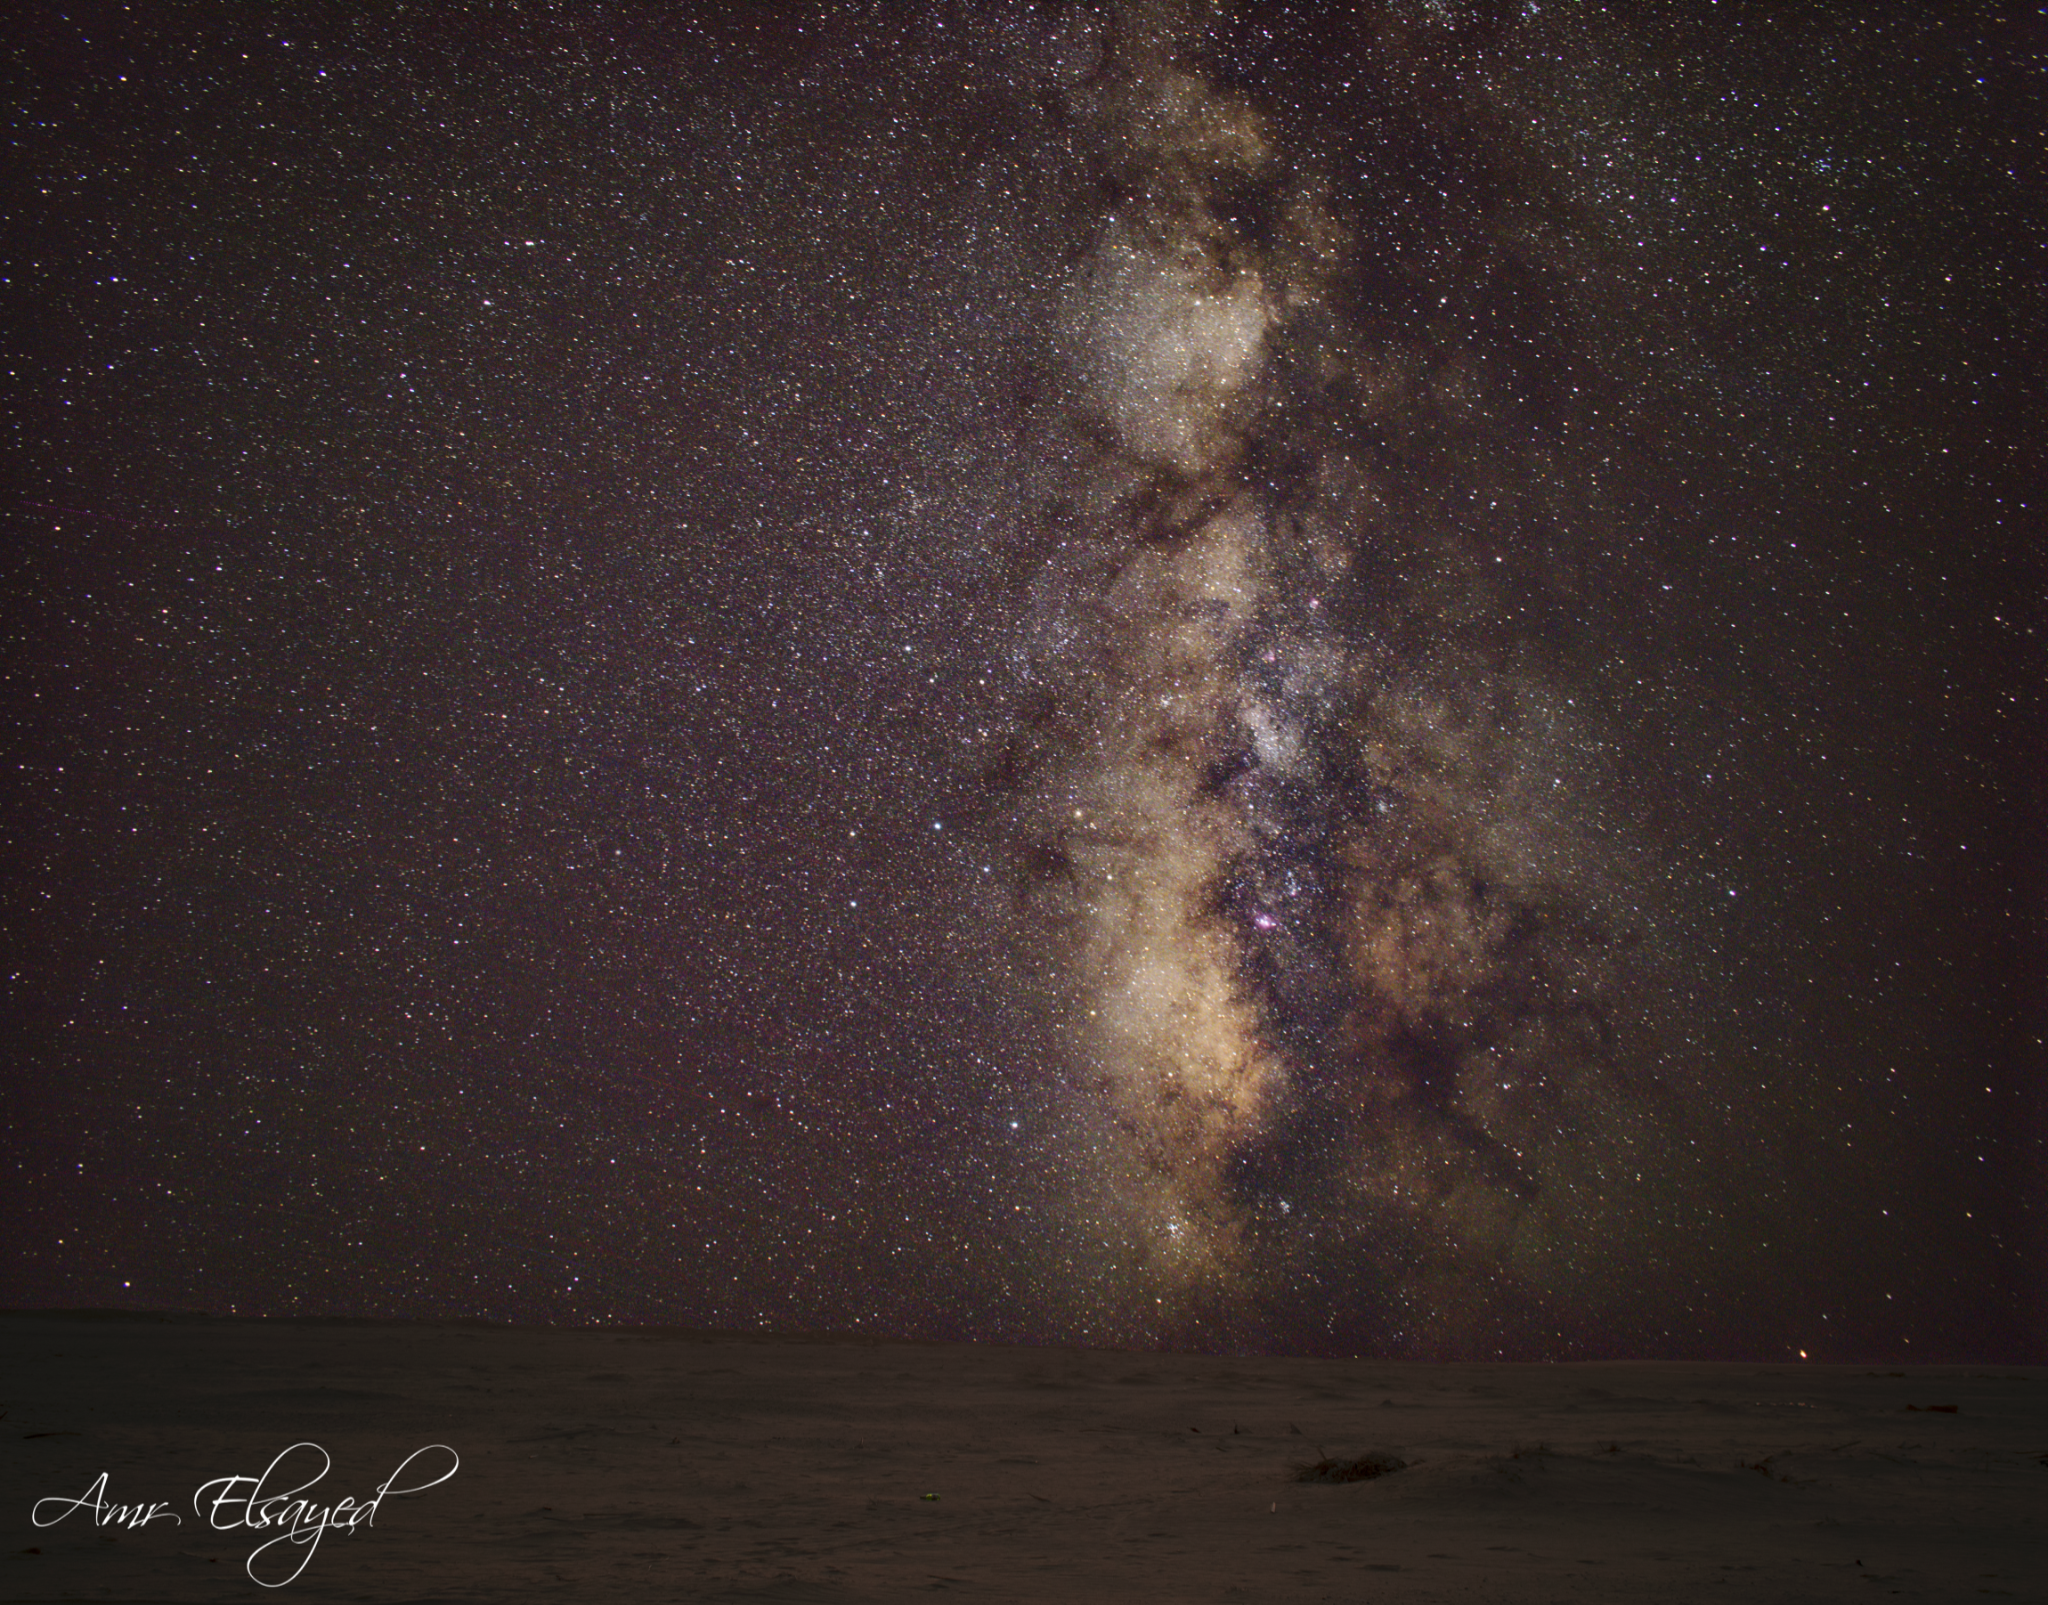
1340, 940
1283, 677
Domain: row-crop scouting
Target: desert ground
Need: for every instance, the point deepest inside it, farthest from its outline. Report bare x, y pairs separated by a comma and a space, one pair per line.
635, 1464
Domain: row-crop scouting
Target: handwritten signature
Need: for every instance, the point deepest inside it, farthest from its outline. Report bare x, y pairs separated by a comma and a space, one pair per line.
261, 1504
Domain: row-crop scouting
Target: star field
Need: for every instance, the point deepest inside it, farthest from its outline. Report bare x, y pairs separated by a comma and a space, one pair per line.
1268, 677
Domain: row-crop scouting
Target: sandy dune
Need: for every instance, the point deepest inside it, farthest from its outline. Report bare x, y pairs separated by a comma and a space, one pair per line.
648, 1465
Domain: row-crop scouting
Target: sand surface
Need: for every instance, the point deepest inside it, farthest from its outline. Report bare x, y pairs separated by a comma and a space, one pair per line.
636, 1465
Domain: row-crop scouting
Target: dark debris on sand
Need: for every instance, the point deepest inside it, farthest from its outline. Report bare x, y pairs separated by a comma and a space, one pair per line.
1363, 1469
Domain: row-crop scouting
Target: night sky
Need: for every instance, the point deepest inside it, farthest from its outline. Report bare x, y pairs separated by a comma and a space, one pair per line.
1292, 677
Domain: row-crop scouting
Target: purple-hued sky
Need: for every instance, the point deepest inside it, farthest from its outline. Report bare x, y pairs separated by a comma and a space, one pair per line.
1276, 677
